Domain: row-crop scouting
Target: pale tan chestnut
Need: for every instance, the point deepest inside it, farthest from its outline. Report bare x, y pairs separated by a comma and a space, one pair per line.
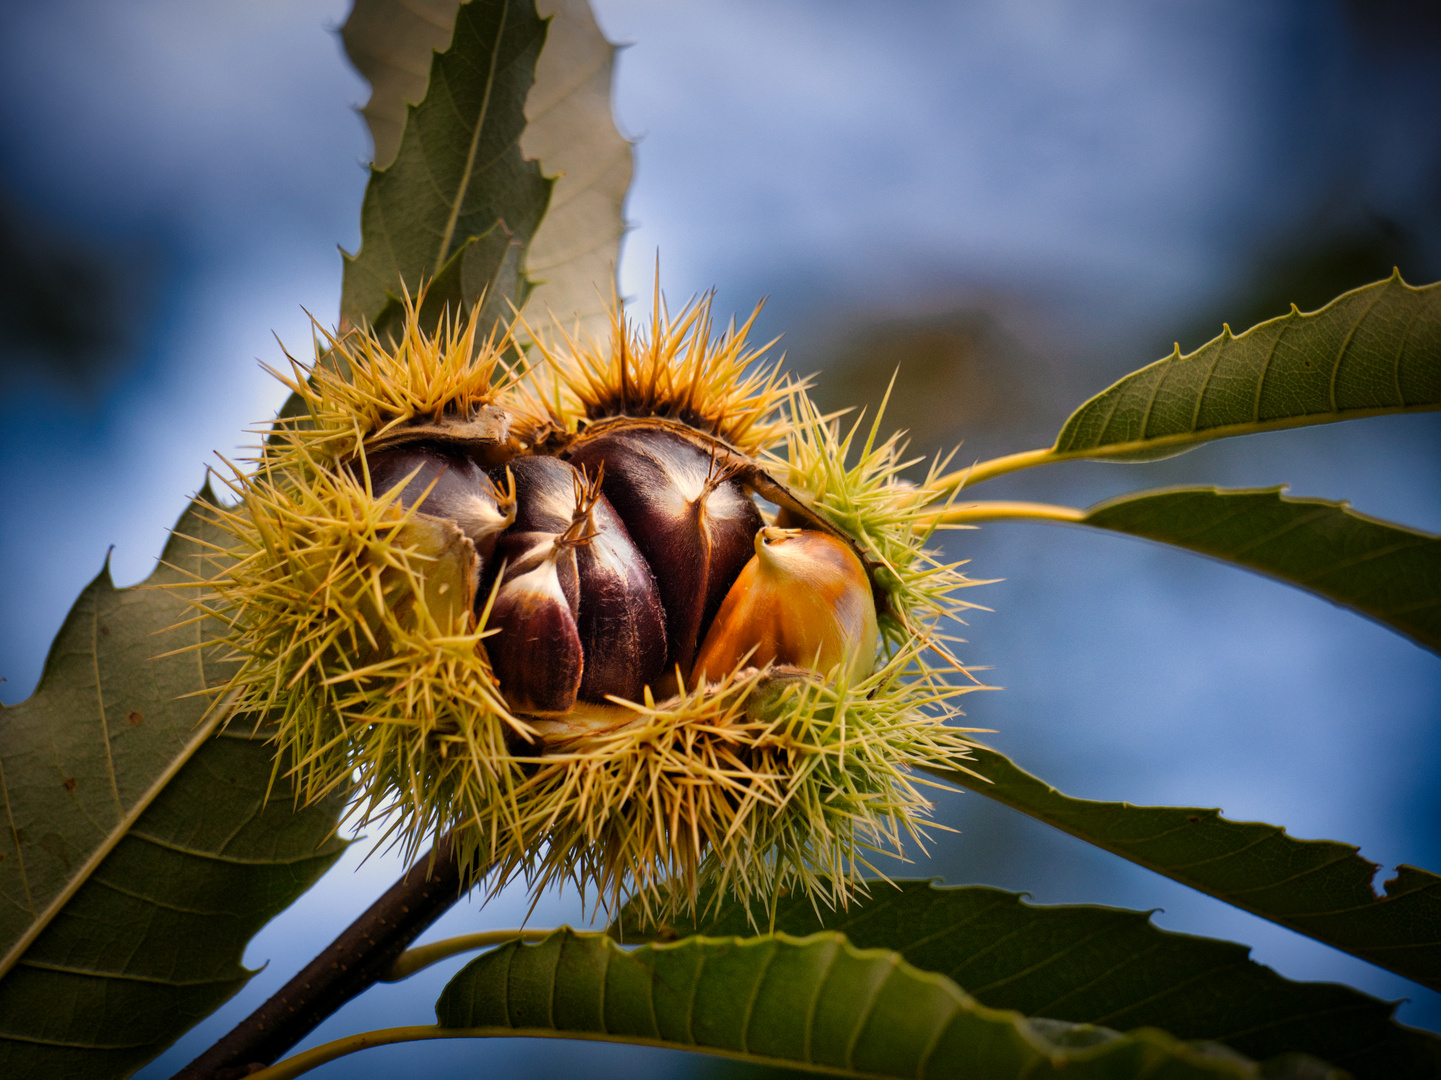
804, 599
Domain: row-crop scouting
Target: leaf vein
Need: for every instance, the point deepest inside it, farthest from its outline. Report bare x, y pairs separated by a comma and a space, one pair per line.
1404, 544
815, 1001
1168, 991
950, 928
755, 993
15, 837
100, 705
864, 1018
1308, 872
935, 1039
448, 232
1266, 365
1265, 835
211, 856
1346, 345
67, 1044
1040, 965
1289, 526
1400, 350
1205, 389
120, 976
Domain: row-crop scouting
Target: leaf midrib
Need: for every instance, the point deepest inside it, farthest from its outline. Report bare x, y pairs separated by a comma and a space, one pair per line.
121, 976
1223, 431
219, 713
449, 233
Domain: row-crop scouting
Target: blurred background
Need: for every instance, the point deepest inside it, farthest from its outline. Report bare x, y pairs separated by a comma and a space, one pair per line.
1012, 203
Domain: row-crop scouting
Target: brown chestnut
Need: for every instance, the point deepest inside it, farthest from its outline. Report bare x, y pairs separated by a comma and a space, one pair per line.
565, 526
537, 654
692, 522
447, 486
622, 623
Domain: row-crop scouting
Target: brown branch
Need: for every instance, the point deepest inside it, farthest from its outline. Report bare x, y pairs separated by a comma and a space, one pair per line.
347, 967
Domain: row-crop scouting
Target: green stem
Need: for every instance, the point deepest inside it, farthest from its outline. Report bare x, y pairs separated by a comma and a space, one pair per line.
987, 470
422, 956
317, 1056
968, 513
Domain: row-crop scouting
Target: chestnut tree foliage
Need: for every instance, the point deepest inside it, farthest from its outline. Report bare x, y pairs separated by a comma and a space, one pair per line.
145, 840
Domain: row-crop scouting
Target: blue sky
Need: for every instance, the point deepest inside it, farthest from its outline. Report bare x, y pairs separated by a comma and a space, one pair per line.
1097, 177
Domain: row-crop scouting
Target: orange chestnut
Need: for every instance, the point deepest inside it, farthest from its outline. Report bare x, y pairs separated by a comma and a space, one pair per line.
804, 599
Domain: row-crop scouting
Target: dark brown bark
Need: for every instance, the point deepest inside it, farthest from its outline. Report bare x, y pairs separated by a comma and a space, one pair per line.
347, 967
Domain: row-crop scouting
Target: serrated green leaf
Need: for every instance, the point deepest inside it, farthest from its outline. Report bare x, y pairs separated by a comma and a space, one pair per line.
1320, 888
1370, 351
569, 129
1387, 572
816, 1001
139, 854
459, 170
391, 43
1096, 965
488, 265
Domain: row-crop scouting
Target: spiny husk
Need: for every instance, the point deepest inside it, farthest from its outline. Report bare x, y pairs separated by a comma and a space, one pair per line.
360, 650
362, 666
674, 368
362, 392
763, 783
859, 488
770, 780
